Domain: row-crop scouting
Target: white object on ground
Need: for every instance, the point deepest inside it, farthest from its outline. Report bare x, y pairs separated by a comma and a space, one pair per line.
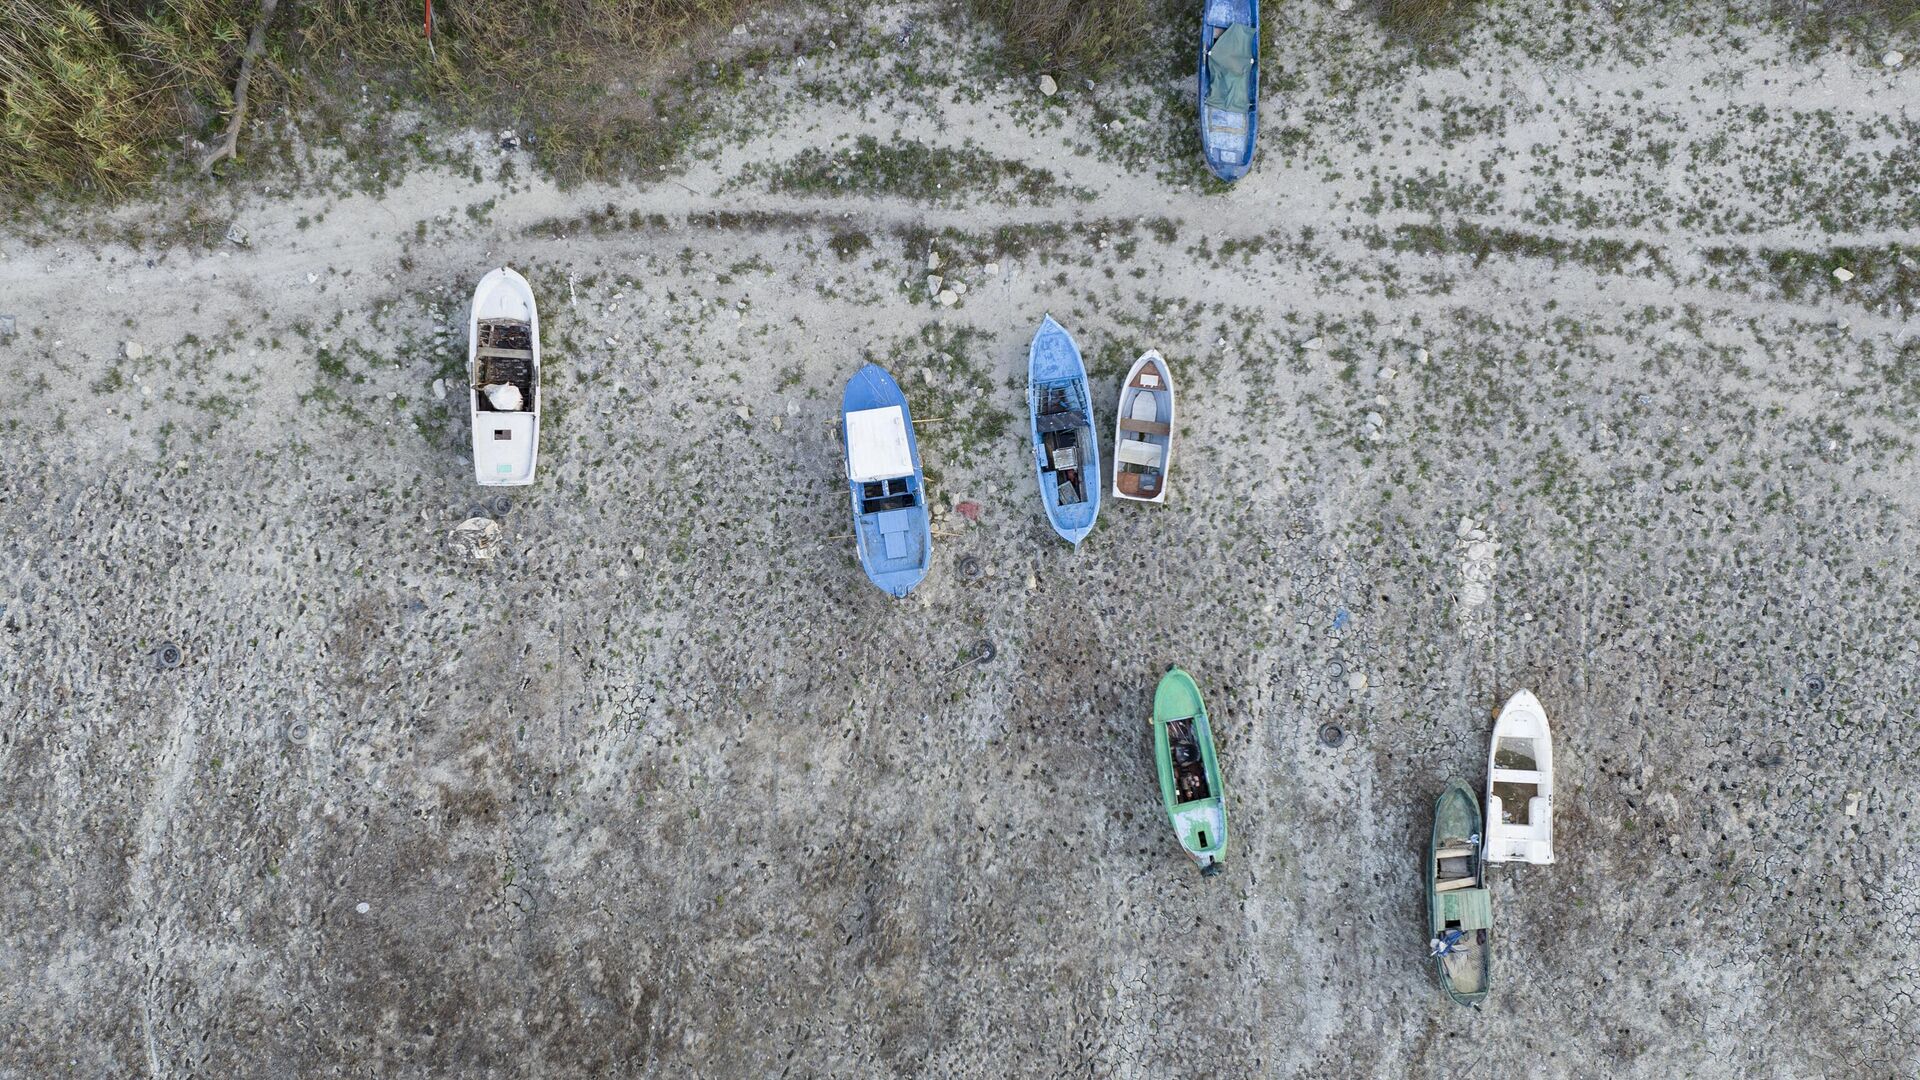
1519, 806
1048, 86
1841, 273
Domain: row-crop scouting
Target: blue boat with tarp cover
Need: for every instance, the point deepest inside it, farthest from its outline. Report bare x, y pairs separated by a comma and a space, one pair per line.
890, 524
1065, 452
1229, 85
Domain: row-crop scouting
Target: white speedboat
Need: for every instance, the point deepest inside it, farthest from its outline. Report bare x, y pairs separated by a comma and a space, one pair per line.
503, 373
1143, 432
1520, 784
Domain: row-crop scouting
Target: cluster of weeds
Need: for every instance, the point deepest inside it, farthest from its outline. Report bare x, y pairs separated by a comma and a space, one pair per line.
95, 92
1082, 35
911, 170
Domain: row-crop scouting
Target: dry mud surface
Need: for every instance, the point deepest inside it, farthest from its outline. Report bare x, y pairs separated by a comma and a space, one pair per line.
1493, 376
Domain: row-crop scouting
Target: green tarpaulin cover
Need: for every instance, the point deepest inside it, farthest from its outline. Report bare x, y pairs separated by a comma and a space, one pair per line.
1229, 69
1472, 907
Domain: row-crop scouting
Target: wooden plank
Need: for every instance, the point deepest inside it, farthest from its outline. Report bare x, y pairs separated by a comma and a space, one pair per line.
1144, 427
1454, 853
1456, 883
504, 354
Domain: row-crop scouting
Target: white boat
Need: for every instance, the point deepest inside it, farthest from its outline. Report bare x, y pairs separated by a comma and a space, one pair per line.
1520, 785
1143, 434
503, 373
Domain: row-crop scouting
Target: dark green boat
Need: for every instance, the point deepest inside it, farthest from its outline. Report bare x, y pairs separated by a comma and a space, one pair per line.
1459, 908
1190, 784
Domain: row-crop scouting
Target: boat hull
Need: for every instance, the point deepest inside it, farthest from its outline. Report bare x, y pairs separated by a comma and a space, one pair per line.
506, 442
1143, 432
893, 533
1519, 803
1066, 453
1191, 788
1457, 898
1227, 137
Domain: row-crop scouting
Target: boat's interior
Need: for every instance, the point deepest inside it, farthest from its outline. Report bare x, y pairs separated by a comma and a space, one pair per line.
1189, 771
1464, 907
894, 494
1140, 455
1516, 794
1062, 433
503, 354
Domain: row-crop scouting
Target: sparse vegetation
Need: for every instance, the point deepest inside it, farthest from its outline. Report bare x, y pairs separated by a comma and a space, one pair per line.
1082, 35
906, 169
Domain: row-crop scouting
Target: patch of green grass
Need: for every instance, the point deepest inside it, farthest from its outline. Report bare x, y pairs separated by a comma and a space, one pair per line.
1082, 35
910, 170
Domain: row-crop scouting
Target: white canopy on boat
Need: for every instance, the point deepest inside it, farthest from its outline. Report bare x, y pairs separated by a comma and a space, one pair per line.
877, 447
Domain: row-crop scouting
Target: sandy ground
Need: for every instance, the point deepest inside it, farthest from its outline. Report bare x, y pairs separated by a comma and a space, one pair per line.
669, 789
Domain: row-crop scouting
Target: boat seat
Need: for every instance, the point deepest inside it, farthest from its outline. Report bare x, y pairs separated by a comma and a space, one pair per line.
1138, 452
1144, 427
504, 354
1454, 853
1059, 421
1456, 883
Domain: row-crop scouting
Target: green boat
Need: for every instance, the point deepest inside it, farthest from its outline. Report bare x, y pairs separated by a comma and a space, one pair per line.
1459, 908
1189, 774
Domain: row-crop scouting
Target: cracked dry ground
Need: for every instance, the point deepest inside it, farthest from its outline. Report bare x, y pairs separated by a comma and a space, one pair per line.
670, 790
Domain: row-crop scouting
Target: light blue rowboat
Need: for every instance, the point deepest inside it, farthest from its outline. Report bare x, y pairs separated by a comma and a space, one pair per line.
1065, 452
890, 524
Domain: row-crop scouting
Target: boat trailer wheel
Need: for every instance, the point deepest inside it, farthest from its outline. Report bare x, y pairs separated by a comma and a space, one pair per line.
1332, 735
167, 656
297, 732
970, 567
1815, 686
499, 504
984, 652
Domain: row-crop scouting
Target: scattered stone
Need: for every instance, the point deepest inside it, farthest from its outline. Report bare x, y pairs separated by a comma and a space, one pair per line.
1343, 5
1421, 356
311, 278
960, 287
744, 413
477, 538
1387, 374
948, 297
1312, 343
1357, 681
6, 327
237, 235
779, 422
739, 29
1033, 583
1048, 87
1853, 804
509, 140
362, 907
1893, 58
1841, 273
991, 269
934, 281
1375, 420
132, 350
933, 260
439, 389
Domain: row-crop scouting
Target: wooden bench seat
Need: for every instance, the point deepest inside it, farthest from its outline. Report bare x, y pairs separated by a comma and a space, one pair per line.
1144, 427
504, 354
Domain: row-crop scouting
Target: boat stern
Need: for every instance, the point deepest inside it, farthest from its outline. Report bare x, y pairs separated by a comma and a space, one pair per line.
505, 448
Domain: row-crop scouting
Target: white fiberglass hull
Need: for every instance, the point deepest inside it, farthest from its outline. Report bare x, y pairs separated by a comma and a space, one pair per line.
1519, 807
506, 441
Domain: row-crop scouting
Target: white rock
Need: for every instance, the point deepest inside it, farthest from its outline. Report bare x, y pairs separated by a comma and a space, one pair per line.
1421, 356
739, 30
960, 287
991, 269
934, 281
1343, 5
1853, 804
1312, 343
1374, 419
1357, 681
1048, 86
133, 350
1894, 58
1033, 583
779, 422
948, 297
1841, 273
439, 389
362, 907
933, 260
311, 278
1387, 374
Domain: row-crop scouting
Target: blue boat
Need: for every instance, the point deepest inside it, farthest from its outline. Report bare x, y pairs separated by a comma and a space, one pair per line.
890, 524
1229, 85
1065, 452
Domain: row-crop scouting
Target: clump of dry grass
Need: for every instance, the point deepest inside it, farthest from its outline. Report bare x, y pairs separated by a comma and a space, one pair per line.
1820, 20
1087, 35
92, 91
1421, 17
